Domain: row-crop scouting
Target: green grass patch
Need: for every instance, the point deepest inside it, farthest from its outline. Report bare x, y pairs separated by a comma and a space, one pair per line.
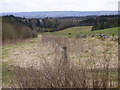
108, 31
73, 30
76, 31
9, 76
7, 73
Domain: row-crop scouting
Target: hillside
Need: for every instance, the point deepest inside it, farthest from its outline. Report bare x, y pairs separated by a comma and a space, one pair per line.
76, 31
72, 31
108, 31
13, 31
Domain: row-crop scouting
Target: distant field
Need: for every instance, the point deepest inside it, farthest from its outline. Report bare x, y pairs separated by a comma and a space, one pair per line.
109, 31
73, 30
76, 31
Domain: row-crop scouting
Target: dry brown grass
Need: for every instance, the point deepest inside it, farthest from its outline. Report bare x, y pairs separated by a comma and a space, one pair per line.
91, 63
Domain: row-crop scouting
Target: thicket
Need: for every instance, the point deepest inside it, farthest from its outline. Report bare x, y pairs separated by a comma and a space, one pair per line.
13, 30
104, 22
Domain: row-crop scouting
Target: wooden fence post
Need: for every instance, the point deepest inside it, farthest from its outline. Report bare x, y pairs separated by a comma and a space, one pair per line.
66, 67
65, 54
118, 38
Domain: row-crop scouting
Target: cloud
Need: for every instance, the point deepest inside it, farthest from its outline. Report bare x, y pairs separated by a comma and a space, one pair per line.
57, 5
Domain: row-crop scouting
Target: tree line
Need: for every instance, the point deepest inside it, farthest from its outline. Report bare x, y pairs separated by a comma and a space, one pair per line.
56, 24
106, 21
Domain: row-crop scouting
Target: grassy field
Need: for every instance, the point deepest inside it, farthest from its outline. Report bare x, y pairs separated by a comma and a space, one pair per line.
73, 30
109, 31
76, 31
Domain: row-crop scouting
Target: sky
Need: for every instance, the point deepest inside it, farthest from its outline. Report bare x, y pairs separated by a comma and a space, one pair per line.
57, 5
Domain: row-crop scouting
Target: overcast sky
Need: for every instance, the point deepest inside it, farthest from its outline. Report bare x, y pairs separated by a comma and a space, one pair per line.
57, 5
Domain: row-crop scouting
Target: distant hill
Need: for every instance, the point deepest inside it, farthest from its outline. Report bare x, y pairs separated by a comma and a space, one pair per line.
54, 14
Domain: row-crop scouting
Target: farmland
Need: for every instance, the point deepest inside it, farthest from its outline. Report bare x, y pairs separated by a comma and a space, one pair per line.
76, 31
73, 30
109, 31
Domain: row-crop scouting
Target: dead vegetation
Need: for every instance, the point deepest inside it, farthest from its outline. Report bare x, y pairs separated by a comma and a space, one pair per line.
86, 63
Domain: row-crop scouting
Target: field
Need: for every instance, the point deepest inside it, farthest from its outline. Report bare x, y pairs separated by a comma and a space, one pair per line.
76, 31
73, 30
43, 62
109, 31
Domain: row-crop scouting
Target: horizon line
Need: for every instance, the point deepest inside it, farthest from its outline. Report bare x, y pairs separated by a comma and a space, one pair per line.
58, 11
